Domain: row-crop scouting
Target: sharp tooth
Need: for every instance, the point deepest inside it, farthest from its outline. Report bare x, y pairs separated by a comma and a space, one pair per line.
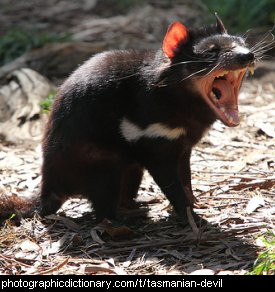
236, 74
221, 74
222, 109
212, 94
224, 73
251, 70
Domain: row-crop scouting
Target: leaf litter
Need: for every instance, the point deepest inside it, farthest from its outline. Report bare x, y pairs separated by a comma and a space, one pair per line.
233, 179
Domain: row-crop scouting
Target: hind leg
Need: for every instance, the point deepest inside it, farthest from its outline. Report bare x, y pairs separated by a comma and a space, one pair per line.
50, 201
102, 189
55, 183
130, 182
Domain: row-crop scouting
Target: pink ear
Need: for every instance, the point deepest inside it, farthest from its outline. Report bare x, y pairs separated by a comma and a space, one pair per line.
177, 33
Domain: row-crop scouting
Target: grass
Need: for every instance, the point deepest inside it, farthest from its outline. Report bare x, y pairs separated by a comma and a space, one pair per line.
265, 263
241, 15
16, 42
46, 104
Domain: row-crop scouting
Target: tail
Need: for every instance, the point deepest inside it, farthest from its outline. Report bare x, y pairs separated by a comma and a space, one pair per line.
17, 207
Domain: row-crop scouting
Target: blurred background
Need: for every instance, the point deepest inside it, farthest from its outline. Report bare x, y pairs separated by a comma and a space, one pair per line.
99, 25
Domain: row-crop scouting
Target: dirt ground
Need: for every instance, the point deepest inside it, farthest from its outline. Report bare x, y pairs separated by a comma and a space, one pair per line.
233, 180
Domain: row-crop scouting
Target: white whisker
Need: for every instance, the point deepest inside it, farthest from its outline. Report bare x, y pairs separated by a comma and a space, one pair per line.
195, 73
188, 62
264, 48
263, 40
213, 69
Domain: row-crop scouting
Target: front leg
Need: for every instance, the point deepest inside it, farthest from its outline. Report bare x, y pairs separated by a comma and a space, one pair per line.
184, 171
174, 181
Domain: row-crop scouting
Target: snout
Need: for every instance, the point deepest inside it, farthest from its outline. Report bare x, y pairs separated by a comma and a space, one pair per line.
245, 59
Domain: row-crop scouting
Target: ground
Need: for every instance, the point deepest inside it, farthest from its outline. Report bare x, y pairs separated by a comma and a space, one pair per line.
232, 176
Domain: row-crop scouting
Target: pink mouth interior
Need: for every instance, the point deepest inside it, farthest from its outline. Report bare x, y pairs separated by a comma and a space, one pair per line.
220, 91
228, 99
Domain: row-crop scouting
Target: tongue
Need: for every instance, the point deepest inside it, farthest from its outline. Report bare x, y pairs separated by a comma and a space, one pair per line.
228, 100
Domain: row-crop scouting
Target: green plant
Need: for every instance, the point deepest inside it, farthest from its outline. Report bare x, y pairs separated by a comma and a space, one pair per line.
265, 263
241, 15
16, 42
46, 104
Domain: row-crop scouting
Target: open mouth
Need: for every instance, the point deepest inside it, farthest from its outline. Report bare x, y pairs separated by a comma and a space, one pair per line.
220, 90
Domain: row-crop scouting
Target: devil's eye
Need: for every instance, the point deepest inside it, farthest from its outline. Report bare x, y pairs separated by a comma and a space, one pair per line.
211, 51
206, 50
211, 47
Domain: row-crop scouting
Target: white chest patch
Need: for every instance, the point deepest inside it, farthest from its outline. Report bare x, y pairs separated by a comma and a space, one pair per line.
132, 132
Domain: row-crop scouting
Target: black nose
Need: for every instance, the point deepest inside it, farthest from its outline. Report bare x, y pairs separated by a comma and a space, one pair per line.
245, 59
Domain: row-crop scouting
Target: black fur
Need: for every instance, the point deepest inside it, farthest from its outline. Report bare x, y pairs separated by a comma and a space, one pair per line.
84, 150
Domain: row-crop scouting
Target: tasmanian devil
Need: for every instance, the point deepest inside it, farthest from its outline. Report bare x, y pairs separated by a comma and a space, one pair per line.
124, 111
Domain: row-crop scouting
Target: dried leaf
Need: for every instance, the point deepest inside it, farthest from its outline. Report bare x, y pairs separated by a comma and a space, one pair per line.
121, 232
56, 246
266, 129
70, 224
120, 271
203, 272
29, 245
255, 203
55, 268
94, 269
128, 262
260, 242
176, 254
266, 183
230, 252
24, 256
94, 233
77, 240
224, 273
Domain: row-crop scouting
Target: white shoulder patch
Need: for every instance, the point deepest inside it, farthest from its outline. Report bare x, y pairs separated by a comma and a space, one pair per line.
132, 132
